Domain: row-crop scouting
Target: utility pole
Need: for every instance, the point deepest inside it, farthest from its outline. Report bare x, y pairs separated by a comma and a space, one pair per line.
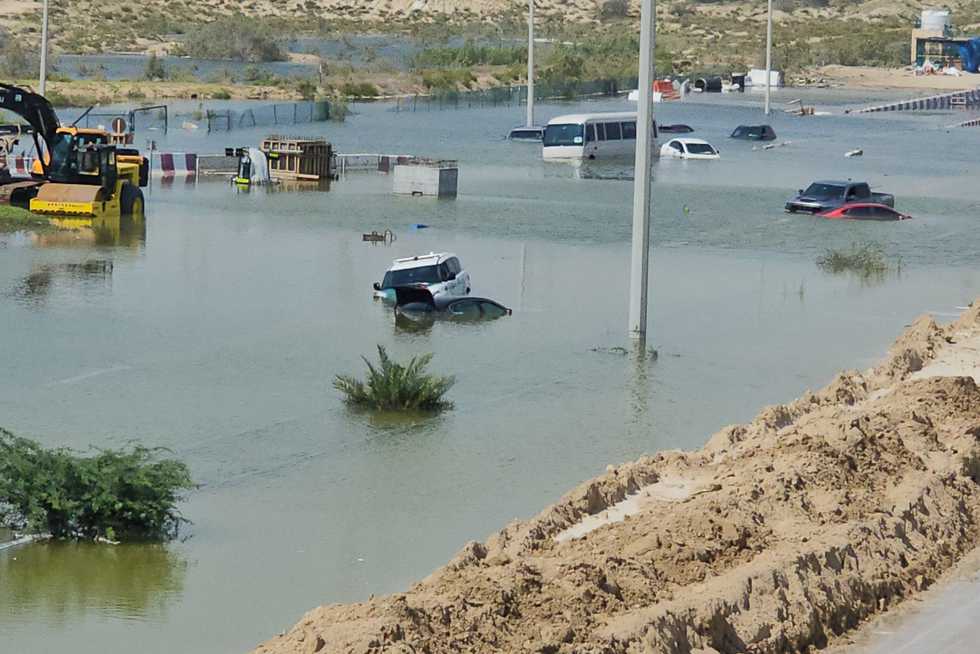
530, 63
768, 57
642, 192
44, 48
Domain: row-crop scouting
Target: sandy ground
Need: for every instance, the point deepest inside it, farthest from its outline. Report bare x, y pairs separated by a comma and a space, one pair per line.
779, 535
896, 78
942, 619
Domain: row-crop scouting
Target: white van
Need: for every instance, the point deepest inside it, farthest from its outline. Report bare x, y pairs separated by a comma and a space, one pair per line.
592, 136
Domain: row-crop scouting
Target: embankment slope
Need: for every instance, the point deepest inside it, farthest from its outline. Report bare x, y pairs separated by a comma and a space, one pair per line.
778, 535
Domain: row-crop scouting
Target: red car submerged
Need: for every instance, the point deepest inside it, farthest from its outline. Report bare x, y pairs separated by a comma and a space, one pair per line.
864, 211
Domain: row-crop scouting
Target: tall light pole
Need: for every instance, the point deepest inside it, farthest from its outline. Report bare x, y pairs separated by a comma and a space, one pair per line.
642, 192
44, 48
768, 57
530, 63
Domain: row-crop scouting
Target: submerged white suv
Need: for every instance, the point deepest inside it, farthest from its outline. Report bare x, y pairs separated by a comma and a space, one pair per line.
441, 273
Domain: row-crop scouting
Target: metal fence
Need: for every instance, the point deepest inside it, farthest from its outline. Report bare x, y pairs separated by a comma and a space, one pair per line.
290, 113
514, 95
151, 117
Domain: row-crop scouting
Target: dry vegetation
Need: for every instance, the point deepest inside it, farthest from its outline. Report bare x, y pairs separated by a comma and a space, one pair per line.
693, 37
700, 31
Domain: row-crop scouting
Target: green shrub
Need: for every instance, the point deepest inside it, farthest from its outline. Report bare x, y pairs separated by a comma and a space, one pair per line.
154, 69
448, 80
306, 89
238, 37
359, 90
60, 100
392, 386
185, 75
135, 93
866, 260
116, 494
471, 54
16, 61
339, 110
614, 9
221, 94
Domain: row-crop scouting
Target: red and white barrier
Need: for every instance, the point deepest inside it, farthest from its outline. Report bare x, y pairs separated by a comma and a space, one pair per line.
19, 166
171, 164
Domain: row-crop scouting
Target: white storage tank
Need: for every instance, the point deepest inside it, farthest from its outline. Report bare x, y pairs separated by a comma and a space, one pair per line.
424, 177
757, 78
935, 20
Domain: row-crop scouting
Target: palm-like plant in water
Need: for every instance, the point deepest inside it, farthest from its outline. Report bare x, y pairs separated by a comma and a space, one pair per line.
391, 386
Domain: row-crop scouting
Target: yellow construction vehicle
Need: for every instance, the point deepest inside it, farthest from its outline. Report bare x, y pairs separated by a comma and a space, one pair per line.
86, 136
84, 177
88, 181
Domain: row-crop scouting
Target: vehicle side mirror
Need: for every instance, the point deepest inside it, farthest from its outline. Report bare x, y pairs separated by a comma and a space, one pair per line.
799, 191
377, 286
450, 277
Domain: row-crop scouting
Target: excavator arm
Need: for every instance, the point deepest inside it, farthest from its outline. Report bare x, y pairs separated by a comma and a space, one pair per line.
36, 110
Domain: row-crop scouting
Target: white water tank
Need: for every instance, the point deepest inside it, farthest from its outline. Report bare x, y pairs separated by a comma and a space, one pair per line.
935, 20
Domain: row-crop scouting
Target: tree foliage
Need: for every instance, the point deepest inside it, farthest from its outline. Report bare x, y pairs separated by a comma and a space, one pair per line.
471, 54
129, 494
16, 61
237, 37
154, 69
391, 386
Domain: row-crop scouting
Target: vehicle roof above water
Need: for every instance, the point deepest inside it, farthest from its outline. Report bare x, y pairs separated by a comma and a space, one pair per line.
430, 259
835, 182
867, 205
691, 141
575, 119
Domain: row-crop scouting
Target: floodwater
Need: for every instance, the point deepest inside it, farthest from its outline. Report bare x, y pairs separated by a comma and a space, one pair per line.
216, 329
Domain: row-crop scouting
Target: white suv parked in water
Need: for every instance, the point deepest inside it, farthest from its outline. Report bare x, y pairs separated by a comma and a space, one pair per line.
441, 273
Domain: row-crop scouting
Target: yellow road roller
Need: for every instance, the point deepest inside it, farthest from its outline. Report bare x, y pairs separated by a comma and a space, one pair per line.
83, 177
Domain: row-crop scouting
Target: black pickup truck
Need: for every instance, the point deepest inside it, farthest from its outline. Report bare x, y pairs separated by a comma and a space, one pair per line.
824, 196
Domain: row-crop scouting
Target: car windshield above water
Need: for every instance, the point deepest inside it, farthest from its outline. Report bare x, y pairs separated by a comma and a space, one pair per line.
570, 134
754, 132
820, 190
700, 148
409, 276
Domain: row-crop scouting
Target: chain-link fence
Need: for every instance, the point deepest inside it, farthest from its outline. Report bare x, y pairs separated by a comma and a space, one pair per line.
515, 95
289, 113
155, 117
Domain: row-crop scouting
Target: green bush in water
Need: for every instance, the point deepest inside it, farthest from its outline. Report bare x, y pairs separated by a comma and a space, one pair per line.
866, 260
127, 494
391, 386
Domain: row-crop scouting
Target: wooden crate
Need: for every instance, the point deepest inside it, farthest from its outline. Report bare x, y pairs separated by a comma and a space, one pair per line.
298, 158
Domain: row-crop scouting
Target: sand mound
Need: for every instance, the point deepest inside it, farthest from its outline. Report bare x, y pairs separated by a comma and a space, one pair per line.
777, 536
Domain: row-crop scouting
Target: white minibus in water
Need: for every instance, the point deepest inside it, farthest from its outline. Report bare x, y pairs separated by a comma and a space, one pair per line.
592, 136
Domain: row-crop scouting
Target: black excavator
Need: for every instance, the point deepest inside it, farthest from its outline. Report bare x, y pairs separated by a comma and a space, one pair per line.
82, 175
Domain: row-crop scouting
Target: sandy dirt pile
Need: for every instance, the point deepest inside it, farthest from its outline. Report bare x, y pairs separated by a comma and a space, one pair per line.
896, 78
777, 536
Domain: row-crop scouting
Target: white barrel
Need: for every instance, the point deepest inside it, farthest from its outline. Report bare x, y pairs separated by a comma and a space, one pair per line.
935, 20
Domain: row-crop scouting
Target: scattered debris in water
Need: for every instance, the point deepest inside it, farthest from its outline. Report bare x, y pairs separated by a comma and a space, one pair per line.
386, 236
771, 146
854, 153
651, 353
